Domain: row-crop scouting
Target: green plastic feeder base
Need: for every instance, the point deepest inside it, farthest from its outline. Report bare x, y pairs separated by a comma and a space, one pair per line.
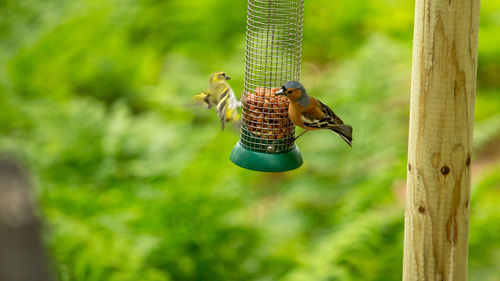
266, 162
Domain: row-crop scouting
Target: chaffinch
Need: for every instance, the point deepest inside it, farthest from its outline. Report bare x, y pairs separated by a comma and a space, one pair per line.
311, 114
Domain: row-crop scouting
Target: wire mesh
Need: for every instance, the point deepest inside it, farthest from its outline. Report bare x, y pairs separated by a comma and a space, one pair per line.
272, 57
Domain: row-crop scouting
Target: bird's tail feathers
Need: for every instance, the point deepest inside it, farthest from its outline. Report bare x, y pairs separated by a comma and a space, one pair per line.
344, 131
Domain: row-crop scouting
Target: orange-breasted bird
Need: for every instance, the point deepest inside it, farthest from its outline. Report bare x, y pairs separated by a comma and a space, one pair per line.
311, 114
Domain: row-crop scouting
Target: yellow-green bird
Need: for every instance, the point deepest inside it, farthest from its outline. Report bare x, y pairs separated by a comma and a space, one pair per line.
220, 95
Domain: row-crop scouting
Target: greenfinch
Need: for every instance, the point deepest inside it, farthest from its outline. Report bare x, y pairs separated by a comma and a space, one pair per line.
220, 95
311, 114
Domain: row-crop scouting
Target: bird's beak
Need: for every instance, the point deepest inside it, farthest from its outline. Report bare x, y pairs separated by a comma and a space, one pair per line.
227, 77
281, 92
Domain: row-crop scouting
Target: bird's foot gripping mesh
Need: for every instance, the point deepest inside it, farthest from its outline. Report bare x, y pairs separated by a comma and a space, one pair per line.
272, 57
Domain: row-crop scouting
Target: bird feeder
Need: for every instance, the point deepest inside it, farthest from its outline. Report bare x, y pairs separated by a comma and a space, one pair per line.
272, 57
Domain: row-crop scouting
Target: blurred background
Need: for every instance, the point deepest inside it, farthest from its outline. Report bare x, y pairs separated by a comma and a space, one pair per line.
133, 184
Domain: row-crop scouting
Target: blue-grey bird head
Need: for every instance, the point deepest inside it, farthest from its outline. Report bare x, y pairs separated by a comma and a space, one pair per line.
294, 91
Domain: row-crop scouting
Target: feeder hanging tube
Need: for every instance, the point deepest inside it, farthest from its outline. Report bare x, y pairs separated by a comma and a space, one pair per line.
272, 57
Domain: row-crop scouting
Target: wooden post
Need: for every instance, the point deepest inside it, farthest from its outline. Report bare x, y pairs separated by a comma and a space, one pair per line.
21, 253
440, 141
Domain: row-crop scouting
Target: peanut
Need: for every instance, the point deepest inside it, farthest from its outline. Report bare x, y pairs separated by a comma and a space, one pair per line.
265, 114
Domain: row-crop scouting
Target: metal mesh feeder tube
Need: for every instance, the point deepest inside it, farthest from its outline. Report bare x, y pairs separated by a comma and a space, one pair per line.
272, 57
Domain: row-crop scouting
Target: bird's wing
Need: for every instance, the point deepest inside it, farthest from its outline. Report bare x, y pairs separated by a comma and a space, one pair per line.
203, 99
222, 105
333, 119
330, 121
322, 118
234, 103
310, 119
315, 116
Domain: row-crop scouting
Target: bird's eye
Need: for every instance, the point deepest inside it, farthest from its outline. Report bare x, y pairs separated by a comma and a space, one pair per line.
289, 91
223, 74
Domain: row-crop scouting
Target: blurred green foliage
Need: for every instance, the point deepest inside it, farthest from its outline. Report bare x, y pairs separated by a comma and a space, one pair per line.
135, 185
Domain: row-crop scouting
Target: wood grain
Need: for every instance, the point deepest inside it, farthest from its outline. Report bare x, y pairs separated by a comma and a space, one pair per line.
440, 140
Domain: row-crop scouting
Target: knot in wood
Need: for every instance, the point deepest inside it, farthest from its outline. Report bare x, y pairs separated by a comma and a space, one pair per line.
445, 170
